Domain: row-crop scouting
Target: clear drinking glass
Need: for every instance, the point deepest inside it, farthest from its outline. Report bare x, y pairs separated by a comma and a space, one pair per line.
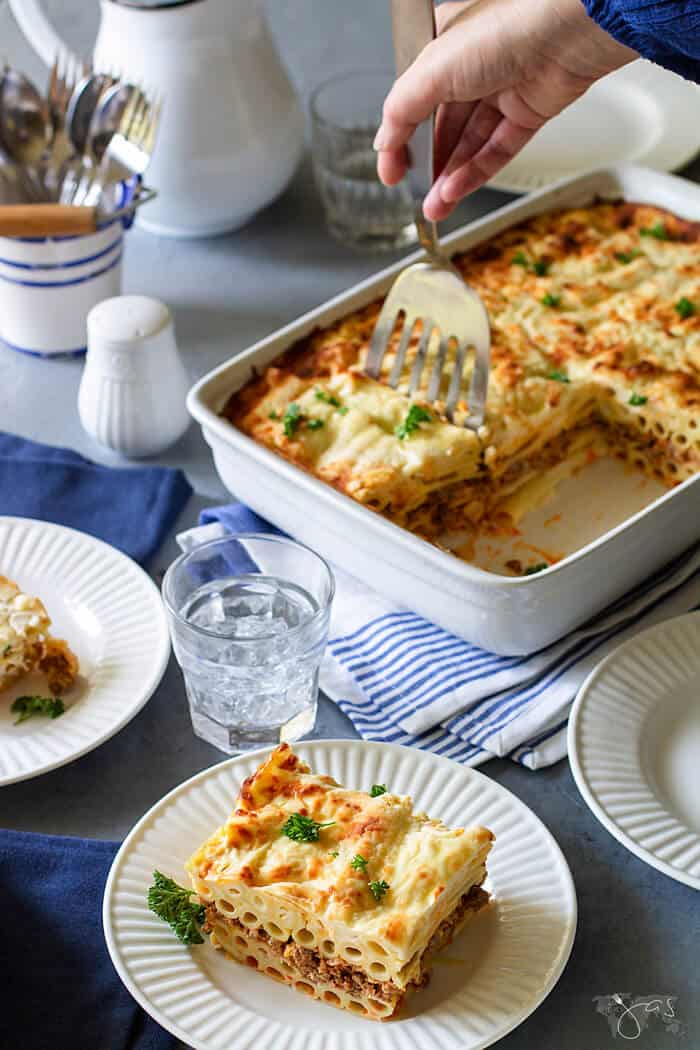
249, 622
345, 115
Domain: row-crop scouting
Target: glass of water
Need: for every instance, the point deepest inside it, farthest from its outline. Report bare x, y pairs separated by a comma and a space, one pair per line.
345, 115
249, 622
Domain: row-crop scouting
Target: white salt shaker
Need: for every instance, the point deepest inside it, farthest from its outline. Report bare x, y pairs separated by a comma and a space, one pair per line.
133, 390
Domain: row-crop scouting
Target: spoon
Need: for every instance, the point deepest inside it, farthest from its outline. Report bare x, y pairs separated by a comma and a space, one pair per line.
103, 126
79, 114
82, 106
25, 126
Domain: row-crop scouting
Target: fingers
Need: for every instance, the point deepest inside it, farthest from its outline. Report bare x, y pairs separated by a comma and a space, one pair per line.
506, 140
449, 125
392, 165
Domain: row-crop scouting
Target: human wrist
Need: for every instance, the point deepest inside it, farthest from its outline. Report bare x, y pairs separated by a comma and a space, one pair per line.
594, 36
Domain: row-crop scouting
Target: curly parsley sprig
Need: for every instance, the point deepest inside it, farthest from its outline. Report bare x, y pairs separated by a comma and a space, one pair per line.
29, 706
378, 888
303, 829
174, 905
415, 416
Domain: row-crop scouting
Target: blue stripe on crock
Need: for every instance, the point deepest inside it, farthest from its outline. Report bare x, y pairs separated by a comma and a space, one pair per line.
63, 265
80, 352
64, 284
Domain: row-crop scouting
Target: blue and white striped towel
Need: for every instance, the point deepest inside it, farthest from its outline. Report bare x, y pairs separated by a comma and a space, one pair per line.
401, 679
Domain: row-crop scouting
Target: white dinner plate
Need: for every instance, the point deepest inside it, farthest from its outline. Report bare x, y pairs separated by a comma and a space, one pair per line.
641, 114
634, 746
503, 965
111, 615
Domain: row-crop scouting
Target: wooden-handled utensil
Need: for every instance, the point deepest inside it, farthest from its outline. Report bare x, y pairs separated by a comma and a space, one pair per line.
62, 220
47, 220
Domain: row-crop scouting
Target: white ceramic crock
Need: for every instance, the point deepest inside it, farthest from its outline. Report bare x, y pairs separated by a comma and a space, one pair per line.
232, 129
49, 285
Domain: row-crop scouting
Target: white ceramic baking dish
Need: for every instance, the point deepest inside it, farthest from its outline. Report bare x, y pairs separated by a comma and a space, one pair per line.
507, 615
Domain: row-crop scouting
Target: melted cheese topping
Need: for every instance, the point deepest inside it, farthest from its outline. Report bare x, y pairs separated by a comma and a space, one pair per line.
24, 625
312, 892
586, 329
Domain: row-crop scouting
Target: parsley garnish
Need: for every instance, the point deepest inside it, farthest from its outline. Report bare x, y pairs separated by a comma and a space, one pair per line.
303, 829
315, 424
7, 650
174, 905
539, 266
328, 399
292, 418
359, 863
559, 377
684, 308
415, 416
28, 706
532, 569
343, 410
273, 415
638, 399
377, 789
658, 230
378, 889
333, 853
627, 257
551, 300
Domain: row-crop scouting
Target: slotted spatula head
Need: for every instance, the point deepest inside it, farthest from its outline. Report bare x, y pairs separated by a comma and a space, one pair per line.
443, 324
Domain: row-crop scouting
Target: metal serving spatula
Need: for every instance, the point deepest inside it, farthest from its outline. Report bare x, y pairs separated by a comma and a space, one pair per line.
433, 292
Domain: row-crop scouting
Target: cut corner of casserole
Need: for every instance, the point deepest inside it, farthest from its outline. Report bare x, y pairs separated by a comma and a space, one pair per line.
344, 895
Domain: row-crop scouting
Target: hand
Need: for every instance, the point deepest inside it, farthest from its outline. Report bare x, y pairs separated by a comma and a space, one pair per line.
497, 71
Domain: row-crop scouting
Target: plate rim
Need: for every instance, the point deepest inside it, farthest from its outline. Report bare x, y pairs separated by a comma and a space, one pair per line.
635, 72
155, 678
579, 774
552, 977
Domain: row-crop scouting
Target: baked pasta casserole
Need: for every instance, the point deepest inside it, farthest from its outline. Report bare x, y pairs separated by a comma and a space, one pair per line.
595, 316
344, 895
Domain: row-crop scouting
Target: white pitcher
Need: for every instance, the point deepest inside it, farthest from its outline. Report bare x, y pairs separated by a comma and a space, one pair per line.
232, 129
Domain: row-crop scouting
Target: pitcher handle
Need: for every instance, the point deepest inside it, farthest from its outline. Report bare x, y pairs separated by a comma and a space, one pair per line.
37, 29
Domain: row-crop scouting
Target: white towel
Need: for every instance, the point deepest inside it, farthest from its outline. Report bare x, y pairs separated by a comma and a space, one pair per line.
401, 679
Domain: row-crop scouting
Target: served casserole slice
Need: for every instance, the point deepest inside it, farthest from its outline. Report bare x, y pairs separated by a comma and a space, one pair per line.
26, 644
344, 895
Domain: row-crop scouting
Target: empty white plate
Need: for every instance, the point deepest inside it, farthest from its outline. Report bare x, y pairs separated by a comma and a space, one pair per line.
111, 615
641, 114
634, 746
495, 974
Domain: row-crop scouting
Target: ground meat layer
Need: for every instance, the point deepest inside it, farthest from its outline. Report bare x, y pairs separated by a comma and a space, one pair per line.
343, 975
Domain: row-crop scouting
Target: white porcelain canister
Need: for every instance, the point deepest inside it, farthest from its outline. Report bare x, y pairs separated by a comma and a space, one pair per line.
232, 129
134, 386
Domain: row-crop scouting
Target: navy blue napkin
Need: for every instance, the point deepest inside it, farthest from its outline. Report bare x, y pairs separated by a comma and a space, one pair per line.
59, 988
130, 508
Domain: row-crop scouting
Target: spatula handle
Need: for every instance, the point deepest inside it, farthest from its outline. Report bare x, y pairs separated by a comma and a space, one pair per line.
46, 220
413, 24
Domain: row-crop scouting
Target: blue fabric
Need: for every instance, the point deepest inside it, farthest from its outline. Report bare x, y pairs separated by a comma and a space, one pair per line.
59, 987
130, 508
665, 31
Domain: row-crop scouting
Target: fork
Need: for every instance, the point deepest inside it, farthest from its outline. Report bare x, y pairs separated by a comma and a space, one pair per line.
66, 71
431, 293
130, 148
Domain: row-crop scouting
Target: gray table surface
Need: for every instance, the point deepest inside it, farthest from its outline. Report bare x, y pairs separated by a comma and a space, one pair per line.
638, 930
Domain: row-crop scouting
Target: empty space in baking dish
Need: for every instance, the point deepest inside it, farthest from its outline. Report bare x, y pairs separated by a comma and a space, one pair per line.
576, 511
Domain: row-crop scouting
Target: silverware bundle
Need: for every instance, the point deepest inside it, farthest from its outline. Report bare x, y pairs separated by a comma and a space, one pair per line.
65, 153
